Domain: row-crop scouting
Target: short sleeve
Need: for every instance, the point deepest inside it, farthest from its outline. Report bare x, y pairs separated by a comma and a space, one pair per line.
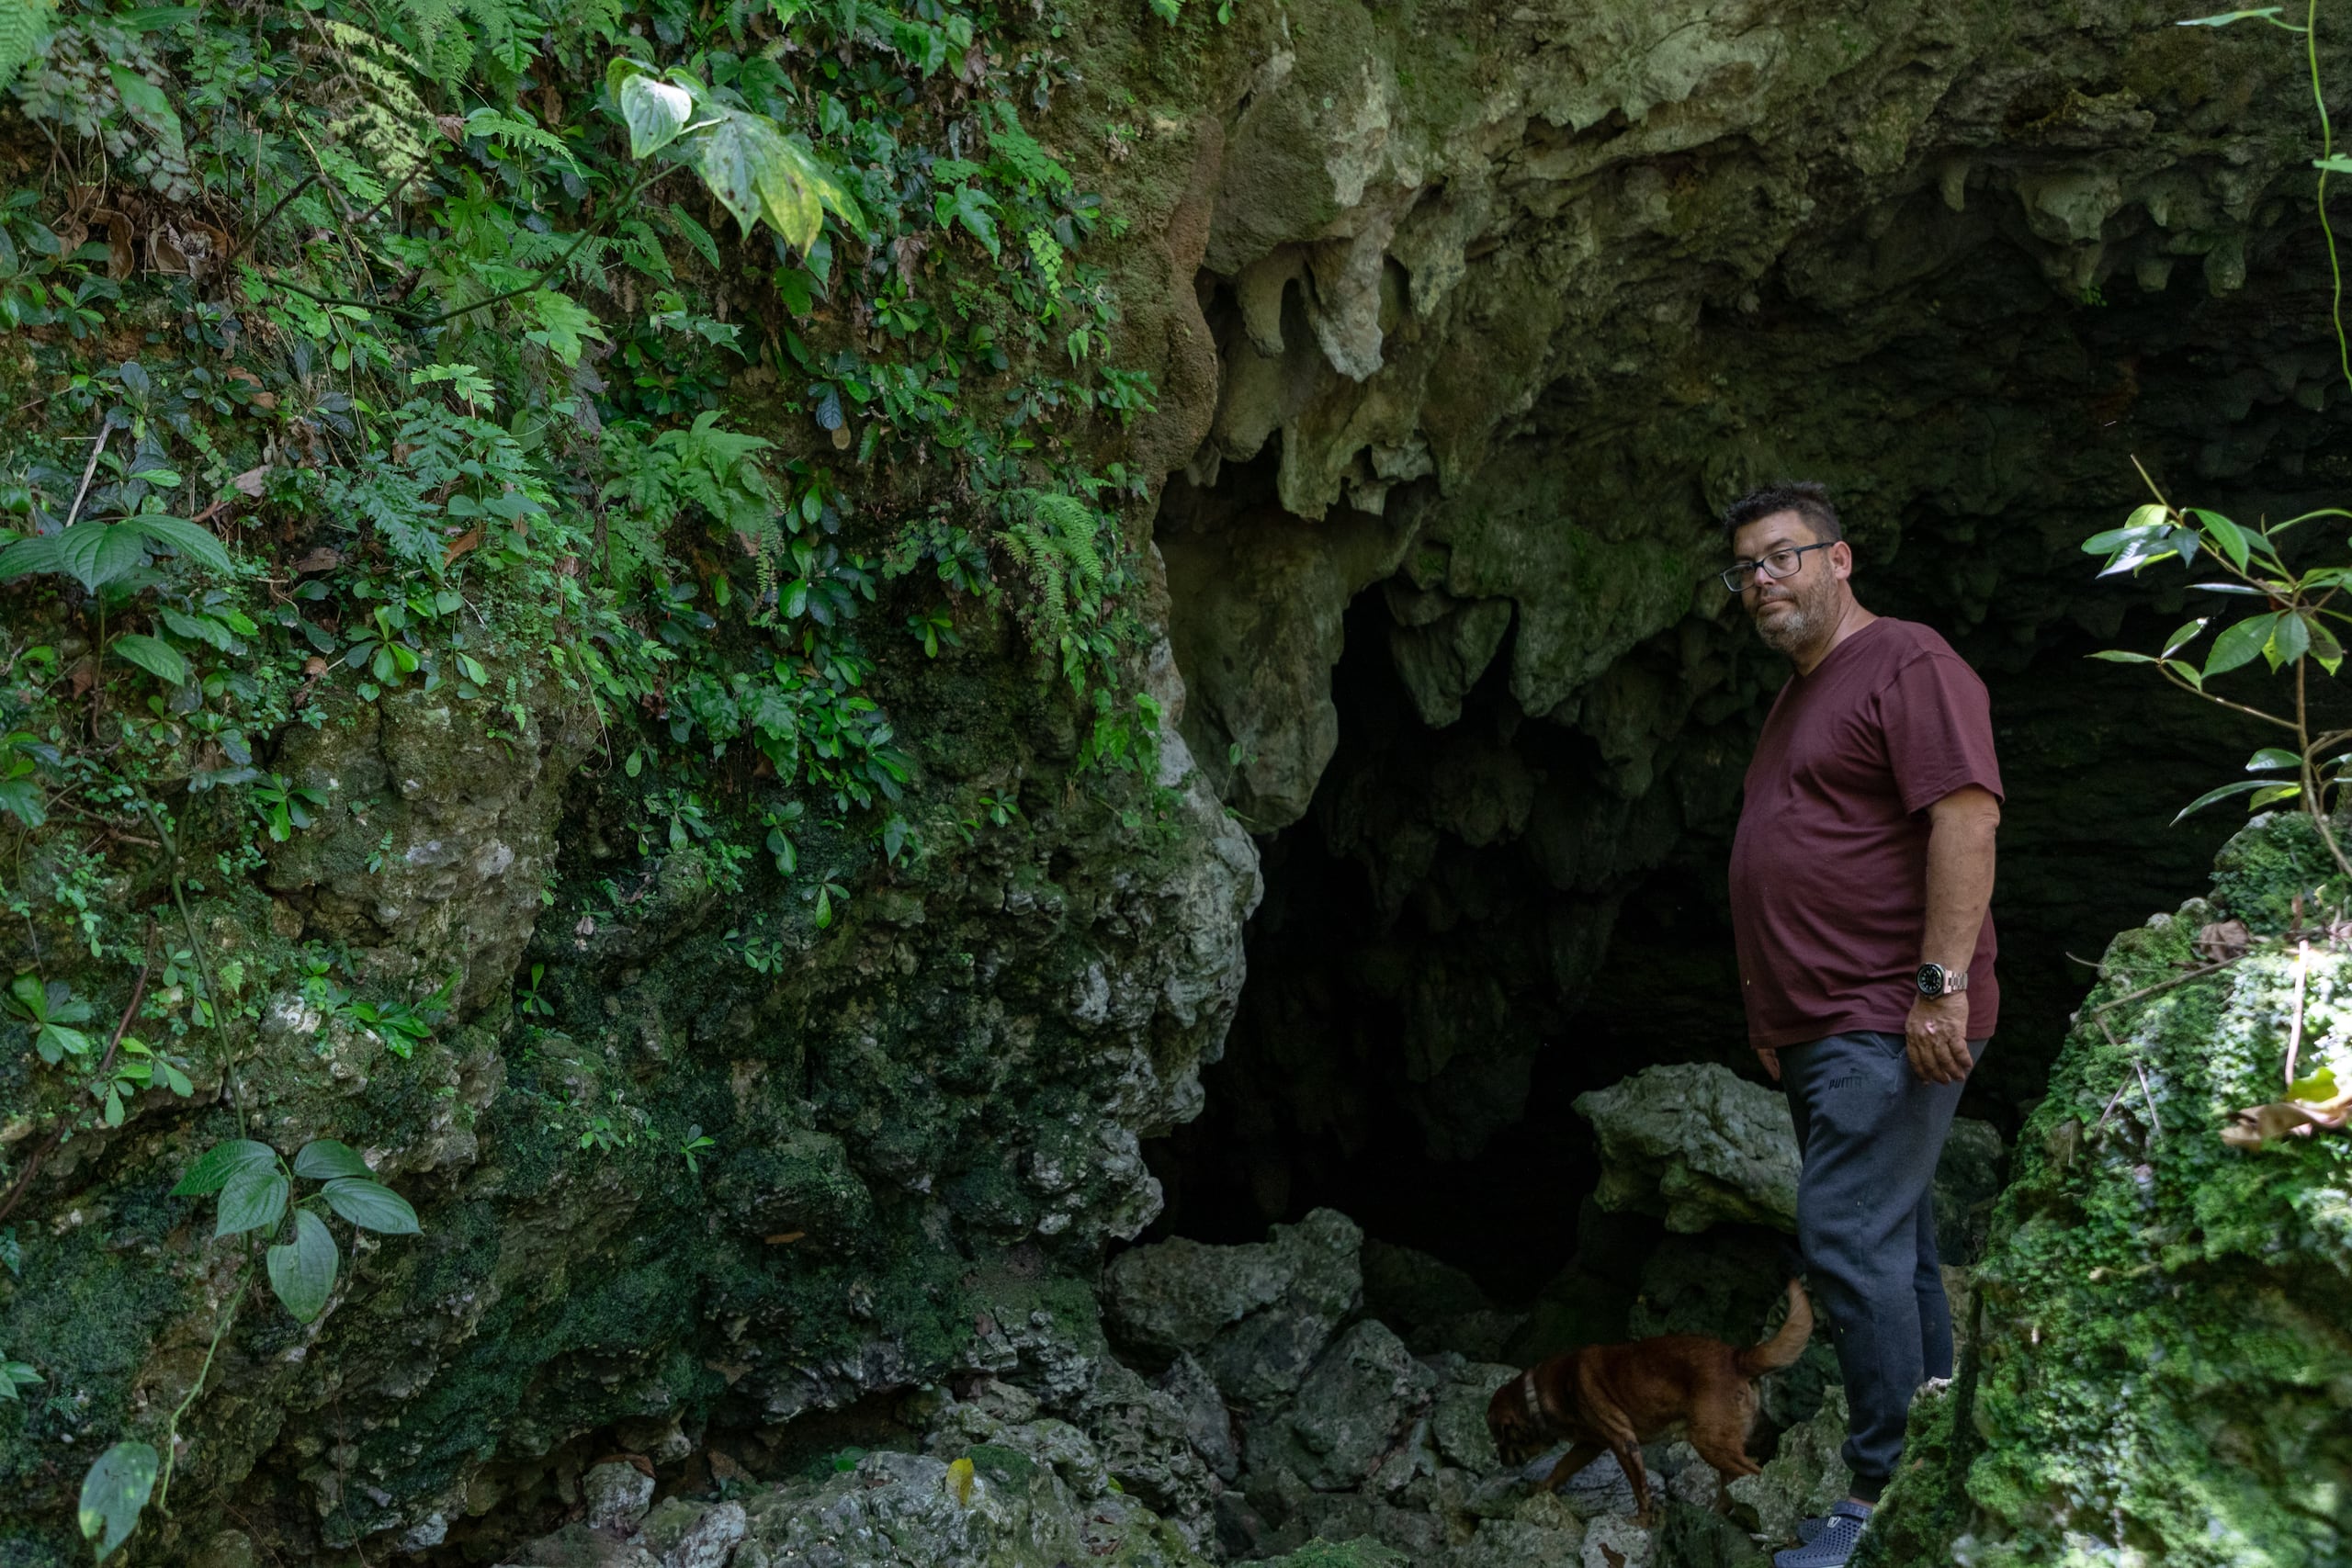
1938, 727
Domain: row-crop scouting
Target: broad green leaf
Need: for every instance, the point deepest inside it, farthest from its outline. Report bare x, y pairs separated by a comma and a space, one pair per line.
324, 1158
114, 1493
193, 540
42, 553
217, 1164
371, 1206
2242, 786
2271, 795
655, 111
199, 628
2339, 165
2223, 533
2125, 656
250, 1201
2239, 644
726, 156
155, 656
96, 553
2184, 635
2270, 758
302, 1271
789, 180
22, 799
2290, 640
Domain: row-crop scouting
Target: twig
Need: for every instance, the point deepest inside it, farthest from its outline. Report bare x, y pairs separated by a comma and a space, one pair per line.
2106, 1008
2155, 1120
105, 430
171, 1427
2295, 1031
255, 232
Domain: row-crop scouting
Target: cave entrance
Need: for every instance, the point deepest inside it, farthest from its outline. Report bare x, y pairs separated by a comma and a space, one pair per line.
1471, 922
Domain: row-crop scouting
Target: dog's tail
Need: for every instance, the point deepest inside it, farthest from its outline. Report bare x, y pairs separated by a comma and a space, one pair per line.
1787, 1345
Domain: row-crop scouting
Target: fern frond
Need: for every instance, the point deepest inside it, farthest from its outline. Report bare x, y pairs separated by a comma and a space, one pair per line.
24, 25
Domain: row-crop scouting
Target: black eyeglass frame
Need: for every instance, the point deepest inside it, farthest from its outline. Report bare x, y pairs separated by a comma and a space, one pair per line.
1734, 577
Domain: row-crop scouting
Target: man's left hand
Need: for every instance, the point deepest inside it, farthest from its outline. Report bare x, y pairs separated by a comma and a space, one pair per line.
1935, 1037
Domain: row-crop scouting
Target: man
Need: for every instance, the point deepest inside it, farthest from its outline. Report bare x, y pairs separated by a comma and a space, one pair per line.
1860, 882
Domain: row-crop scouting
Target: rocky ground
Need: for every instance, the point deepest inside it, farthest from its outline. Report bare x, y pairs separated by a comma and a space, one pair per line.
1313, 1399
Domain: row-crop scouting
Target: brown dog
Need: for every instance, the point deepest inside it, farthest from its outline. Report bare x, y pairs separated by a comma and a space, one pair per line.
1613, 1398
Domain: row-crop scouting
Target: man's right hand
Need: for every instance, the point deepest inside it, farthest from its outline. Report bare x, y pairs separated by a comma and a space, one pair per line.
1770, 1057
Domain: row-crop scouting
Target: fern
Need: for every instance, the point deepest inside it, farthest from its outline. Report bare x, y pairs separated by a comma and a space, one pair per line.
24, 26
1056, 540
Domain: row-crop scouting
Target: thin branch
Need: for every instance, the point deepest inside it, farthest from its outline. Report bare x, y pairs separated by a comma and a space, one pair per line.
255, 232
105, 429
2295, 1030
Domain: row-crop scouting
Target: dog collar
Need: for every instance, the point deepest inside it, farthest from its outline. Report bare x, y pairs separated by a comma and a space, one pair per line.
1534, 1399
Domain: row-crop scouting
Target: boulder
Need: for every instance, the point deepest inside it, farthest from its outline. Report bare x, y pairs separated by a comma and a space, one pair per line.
617, 1494
1696, 1146
1802, 1481
1354, 1409
1458, 1421
1513, 1543
1208, 1424
1615, 1541
1256, 1315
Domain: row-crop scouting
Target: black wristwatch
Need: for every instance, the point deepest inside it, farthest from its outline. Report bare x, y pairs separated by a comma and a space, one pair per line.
1935, 980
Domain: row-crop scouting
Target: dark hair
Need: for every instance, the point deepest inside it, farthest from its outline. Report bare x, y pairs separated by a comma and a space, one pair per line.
1806, 499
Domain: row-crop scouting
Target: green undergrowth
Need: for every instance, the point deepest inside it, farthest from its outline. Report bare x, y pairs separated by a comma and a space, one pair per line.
370, 362
2161, 1367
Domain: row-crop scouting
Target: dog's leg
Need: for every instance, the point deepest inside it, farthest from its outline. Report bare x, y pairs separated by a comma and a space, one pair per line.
1629, 1460
1725, 1448
1576, 1459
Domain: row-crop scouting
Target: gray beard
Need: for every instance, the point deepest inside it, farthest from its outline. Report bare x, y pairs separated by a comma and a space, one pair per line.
1791, 632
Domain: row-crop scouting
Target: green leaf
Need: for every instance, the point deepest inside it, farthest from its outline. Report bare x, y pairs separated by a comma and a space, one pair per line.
22, 799
250, 1201
371, 1206
302, 1271
2317, 1088
2184, 635
2223, 533
23, 25
2265, 14
42, 553
2242, 786
2290, 640
199, 628
655, 111
726, 157
2239, 644
2271, 795
213, 1170
147, 105
114, 1493
967, 207
96, 553
695, 235
193, 540
323, 1160
2272, 757
155, 656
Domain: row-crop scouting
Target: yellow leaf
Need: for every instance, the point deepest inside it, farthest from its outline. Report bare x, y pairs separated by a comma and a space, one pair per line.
960, 1482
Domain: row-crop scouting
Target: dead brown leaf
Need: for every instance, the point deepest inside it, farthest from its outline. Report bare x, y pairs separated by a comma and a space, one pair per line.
785, 1238
324, 559
2223, 941
252, 480
464, 544
121, 258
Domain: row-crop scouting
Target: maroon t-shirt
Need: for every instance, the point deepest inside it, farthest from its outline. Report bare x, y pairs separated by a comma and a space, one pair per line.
1829, 869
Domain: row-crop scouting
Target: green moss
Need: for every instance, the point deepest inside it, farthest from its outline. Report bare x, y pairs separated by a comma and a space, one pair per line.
2162, 1352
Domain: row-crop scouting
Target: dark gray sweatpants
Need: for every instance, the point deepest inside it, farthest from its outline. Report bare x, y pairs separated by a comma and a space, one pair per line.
1870, 1131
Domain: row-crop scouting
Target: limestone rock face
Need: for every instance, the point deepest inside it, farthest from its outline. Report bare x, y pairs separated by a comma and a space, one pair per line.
1353, 1410
1697, 1147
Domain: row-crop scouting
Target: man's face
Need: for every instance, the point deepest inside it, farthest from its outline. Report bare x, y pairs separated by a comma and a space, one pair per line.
1789, 613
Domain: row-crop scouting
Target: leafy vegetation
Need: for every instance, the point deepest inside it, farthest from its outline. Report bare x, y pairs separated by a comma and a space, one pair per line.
360, 355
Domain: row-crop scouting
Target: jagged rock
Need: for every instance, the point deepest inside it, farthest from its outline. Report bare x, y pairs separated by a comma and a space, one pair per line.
1354, 1409
1151, 1442
685, 1533
618, 1494
1458, 1421
1208, 1424
1362, 1552
1696, 1146
1512, 1543
1613, 1540
1256, 1315
1803, 1479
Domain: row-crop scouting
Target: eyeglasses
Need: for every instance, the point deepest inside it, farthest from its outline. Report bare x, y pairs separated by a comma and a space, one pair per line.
1776, 566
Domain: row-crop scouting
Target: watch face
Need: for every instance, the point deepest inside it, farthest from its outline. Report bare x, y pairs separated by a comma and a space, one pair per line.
1931, 979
